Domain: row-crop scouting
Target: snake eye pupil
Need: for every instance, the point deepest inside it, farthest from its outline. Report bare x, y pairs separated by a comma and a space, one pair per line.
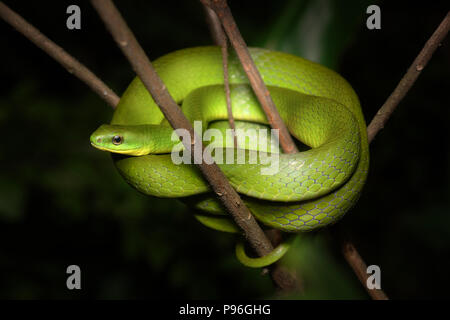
117, 140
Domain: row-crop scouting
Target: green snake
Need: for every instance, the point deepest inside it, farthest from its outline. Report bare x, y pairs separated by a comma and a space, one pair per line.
310, 189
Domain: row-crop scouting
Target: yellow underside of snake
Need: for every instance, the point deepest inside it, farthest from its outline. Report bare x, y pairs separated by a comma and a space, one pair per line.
302, 192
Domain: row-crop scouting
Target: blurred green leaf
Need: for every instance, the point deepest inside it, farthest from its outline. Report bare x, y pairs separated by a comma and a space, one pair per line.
318, 30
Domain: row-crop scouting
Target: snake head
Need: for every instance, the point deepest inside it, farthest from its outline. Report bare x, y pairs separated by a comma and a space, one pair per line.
119, 139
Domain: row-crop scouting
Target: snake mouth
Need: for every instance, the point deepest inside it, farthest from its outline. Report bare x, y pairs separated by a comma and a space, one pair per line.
103, 148
129, 152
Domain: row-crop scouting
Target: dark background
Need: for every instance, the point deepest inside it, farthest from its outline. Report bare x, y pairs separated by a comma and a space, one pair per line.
62, 202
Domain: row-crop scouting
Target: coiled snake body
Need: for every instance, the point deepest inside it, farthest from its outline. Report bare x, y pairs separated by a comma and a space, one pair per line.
310, 189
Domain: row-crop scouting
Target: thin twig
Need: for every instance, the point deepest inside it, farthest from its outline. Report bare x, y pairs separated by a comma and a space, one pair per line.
348, 249
282, 278
408, 79
56, 52
220, 39
360, 268
215, 177
215, 27
222, 10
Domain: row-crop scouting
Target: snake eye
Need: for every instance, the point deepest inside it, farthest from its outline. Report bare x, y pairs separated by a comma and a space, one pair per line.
117, 140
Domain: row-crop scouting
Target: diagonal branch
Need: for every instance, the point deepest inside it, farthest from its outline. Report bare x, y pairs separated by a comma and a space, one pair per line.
215, 177
284, 280
222, 10
56, 52
409, 78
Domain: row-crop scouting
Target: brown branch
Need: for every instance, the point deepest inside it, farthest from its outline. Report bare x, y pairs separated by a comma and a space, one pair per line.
224, 13
348, 249
282, 278
360, 268
408, 79
215, 27
56, 52
378, 122
222, 10
220, 39
144, 69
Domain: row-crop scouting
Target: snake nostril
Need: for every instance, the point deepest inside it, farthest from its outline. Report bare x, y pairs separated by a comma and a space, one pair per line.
99, 140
